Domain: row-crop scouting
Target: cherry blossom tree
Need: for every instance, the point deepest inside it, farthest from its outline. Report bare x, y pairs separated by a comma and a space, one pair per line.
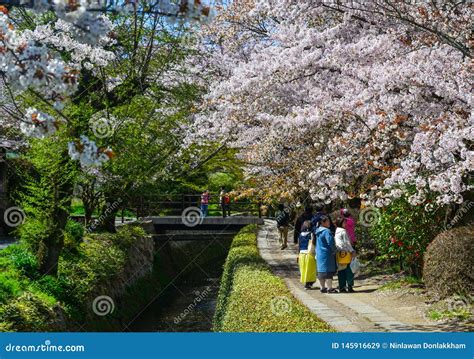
67, 71
344, 99
45, 58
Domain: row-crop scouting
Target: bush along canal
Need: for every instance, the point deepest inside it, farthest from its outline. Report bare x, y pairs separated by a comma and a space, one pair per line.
124, 281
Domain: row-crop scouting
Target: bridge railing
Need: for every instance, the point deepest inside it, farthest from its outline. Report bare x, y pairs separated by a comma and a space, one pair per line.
175, 204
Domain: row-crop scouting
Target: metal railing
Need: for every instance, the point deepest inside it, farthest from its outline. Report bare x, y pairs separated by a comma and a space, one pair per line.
175, 204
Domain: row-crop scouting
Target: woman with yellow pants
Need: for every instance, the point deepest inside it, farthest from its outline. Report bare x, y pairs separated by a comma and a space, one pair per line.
306, 259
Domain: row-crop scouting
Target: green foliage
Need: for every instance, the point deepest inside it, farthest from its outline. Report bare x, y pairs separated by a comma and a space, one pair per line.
10, 285
45, 197
250, 296
25, 261
460, 313
73, 234
406, 281
127, 235
11, 282
26, 304
98, 262
403, 232
28, 313
52, 286
33, 232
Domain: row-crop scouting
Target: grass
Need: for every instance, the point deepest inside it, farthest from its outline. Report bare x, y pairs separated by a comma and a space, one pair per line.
462, 314
403, 282
252, 299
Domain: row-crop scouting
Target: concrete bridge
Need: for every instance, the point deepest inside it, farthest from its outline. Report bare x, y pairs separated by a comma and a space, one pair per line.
179, 228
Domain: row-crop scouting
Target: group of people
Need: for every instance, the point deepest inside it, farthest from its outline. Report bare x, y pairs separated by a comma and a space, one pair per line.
224, 201
324, 247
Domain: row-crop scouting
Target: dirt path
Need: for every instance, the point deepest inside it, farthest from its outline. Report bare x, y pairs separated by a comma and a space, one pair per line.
369, 309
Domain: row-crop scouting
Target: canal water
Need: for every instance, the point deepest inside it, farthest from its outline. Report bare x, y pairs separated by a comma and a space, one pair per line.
188, 304
190, 308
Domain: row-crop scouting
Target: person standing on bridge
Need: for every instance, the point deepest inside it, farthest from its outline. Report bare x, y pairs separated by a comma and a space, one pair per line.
225, 202
306, 260
205, 203
325, 255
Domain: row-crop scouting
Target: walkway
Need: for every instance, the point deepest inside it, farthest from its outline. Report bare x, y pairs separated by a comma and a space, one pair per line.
357, 312
5, 242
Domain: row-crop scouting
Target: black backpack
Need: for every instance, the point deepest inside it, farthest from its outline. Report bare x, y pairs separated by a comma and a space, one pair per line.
282, 218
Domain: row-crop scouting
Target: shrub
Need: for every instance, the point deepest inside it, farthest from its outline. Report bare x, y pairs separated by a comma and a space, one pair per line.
127, 235
33, 232
73, 234
96, 266
55, 287
25, 261
448, 262
247, 282
10, 285
28, 313
97, 263
403, 231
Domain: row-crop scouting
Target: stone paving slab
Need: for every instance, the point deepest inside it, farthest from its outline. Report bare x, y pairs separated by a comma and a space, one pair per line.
343, 312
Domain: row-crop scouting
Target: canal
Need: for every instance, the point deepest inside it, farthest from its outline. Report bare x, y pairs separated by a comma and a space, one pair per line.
188, 303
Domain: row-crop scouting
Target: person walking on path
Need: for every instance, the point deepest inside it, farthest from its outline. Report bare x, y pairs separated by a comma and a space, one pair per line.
205, 196
325, 255
345, 252
283, 222
305, 216
225, 202
316, 220
350, 224
305, 259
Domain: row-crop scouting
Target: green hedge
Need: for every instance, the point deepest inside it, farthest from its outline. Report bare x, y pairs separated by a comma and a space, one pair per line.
30, 302
252, 299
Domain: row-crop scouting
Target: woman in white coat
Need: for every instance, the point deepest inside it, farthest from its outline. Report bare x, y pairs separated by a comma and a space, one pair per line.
344, 248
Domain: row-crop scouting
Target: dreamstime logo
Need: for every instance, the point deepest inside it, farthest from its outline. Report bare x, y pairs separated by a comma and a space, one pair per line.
369, 216
280, 305
108, 211
192, 216
200, 296
103, 305
102, 128
14, 216
429, 207
465, 208
460, 303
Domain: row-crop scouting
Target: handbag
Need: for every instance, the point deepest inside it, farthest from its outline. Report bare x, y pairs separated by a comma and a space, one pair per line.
311, 246
343, 257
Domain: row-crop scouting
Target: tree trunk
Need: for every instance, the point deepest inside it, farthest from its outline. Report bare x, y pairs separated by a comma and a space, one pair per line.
108, 213
88, 211
54, 244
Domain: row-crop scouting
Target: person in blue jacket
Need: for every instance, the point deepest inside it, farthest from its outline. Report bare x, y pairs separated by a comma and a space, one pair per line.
325, 255
316, 220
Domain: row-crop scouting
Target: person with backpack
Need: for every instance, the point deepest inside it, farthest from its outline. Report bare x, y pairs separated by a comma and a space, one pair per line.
305, 216
325, 255
306, 252
205, 196
283, 221
225, 202
345, 252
